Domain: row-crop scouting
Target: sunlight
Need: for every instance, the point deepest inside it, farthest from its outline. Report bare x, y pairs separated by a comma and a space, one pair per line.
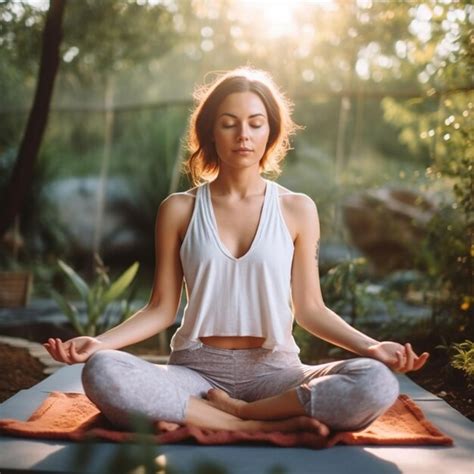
278, 16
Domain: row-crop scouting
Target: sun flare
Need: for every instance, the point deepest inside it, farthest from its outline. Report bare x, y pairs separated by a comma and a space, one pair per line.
277, 17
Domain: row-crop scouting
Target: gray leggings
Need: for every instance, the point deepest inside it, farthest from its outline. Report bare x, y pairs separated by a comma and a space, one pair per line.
345, 395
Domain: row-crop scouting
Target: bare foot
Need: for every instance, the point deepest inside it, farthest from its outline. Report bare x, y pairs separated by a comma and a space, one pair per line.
295, 423
201, 413
220, 399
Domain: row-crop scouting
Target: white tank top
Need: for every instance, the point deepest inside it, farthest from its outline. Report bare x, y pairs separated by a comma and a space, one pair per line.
245, 296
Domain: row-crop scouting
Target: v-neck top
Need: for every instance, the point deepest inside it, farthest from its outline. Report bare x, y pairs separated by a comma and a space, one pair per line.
237, 296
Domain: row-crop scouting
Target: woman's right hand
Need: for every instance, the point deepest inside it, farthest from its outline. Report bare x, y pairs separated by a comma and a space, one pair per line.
73, 351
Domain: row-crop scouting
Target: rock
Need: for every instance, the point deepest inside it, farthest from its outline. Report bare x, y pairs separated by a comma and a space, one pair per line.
387, 226
76, 203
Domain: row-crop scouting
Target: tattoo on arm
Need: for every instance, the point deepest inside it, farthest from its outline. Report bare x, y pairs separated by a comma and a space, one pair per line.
317, 251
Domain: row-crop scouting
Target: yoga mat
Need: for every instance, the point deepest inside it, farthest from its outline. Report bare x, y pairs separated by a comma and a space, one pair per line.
72, 416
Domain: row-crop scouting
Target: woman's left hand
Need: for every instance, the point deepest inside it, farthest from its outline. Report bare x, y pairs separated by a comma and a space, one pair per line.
398, 357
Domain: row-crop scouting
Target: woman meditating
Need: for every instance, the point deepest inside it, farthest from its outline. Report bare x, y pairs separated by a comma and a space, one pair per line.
247, 249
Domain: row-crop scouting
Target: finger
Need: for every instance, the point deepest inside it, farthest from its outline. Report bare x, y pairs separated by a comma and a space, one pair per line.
78, 357
62, 353
53, 349
421, 361
400, 361
411, 357
48, 347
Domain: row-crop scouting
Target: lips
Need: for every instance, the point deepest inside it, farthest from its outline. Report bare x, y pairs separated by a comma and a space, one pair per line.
243, 149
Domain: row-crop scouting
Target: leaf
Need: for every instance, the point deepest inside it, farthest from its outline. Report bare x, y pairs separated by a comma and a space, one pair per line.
69, 310
121, 284
80, 285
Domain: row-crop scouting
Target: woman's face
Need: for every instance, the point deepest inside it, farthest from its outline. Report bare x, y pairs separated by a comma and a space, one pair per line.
241, 130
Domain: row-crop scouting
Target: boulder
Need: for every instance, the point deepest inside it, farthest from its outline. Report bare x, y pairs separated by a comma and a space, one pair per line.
387, 225
76, 202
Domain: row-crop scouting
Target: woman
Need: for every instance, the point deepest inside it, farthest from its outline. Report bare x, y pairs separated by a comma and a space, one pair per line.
246, 248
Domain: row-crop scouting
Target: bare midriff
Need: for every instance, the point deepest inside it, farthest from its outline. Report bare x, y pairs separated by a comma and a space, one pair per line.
233, 342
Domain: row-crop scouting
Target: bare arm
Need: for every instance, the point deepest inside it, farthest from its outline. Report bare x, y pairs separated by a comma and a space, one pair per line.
159, 313
313, 315
310, 311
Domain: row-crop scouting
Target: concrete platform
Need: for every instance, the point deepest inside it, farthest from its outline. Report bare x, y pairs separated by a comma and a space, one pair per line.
17, 455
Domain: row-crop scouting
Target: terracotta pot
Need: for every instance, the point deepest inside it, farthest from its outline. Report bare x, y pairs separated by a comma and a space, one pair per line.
15, 288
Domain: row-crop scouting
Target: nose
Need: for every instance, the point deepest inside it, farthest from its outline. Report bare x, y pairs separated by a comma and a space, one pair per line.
243, 135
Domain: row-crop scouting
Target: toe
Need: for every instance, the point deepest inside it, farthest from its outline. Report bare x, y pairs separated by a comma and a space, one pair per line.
216, 393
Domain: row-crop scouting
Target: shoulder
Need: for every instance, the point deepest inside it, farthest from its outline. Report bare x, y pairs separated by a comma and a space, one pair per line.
178, 201
177, 208
297, 204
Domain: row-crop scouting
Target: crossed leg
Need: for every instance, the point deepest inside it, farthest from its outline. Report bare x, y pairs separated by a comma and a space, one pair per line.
120, 383
345, 395
204, 414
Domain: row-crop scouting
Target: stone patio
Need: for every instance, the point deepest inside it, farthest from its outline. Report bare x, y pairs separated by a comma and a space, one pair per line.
58, 456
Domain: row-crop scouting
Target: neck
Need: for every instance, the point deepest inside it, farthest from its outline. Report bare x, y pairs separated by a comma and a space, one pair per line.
242, 184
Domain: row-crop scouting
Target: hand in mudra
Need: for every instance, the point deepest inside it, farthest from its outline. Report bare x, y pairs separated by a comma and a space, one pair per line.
73, 351
400, 358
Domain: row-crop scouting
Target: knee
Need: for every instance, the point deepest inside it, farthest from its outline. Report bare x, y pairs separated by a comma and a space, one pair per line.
381, 387
373, 383
97, 368
376, 392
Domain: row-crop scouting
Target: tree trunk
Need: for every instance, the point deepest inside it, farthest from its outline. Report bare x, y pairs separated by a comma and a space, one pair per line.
104, 167
22, 174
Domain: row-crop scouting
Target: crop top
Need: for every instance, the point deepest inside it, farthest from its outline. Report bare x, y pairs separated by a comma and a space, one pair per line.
229, 296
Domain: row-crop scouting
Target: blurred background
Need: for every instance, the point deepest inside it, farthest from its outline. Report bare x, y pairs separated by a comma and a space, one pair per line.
384, 91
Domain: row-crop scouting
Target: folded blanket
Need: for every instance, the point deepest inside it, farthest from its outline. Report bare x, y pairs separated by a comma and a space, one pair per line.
72, 416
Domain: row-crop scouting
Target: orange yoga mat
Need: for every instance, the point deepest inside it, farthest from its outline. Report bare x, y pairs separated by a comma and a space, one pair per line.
72, 416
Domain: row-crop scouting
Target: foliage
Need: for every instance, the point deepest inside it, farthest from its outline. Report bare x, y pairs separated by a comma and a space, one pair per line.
155, 139
98, 298
413, 55
439, 123
347, 290
461, 355
444, 257
463, 359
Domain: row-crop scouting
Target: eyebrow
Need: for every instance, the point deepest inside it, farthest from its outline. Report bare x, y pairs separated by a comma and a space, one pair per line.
250, 116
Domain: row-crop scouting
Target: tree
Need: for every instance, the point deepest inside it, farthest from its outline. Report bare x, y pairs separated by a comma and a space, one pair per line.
22, 174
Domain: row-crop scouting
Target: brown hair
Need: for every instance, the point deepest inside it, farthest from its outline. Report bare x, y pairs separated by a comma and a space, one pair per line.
202, 164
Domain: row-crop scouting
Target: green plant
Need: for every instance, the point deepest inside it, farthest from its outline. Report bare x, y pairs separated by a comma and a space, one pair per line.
343, 289
439, 123
348, 290
445, 256
463, 359
98, 298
